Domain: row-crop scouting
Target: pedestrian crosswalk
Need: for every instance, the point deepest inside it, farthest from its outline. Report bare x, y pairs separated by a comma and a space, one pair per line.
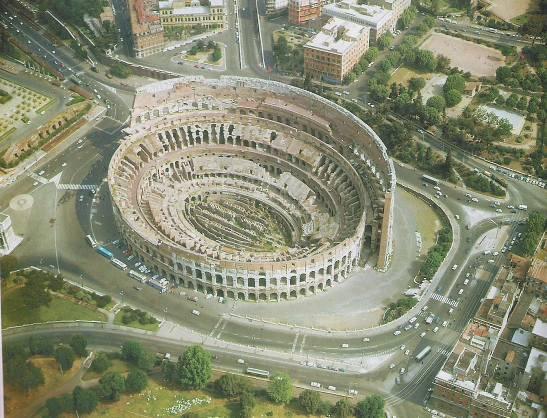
77, 186
444, 351
444, 299
37, 178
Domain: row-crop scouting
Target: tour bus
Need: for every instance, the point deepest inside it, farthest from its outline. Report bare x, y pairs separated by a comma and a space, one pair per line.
258, 372
138, 276
91, 241
430, 180
423, 353
158, 285
119, 264
104, 252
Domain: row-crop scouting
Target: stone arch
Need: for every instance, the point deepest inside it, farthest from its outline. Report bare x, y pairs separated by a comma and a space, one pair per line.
311, 289
210, 290
293, 294
230, 294
303, 291
273, 296
218, 278
220, 293
191, 285
262, 296
252, 296
200, 287
283, 280
284, 295
241, 296
240, 281
320, 286
328, 283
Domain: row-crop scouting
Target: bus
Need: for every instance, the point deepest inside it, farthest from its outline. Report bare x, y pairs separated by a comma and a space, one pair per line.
91, 241
158, 285
430, 180
104, 252
138, 276
119, 264
423, 353
258, 372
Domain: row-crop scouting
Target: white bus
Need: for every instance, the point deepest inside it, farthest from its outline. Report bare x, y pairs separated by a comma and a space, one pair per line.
138, 276
119, 264
91, 241
423, 353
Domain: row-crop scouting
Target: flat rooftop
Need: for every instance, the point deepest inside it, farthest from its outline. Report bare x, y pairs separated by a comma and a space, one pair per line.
337, 36
374, 16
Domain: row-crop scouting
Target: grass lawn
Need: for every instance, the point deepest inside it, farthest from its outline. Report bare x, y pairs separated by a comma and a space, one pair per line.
117, 366
16, 400
404, 74
58, 310
156, 400
135, 324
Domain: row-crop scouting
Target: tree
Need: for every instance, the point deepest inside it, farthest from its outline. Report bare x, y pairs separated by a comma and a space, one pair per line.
522, 103
8, 263
201, 44
194, 368
40, 345
309, 401
230, 385
131, 351
101, 363
59, 405
65, 357
435, 6
112, 384
85, 400
342, 409
371, 407
280, 388
431, 116
503, 74
211, 44
452, 98
534, 26
217, 54
136, 381
425, 60
443, 63
29, 377
120, 70
436, 102
454, 82
448, 163
247, 403
371, 54
34, 295
146, 361
385, 41
79, 344
416, 83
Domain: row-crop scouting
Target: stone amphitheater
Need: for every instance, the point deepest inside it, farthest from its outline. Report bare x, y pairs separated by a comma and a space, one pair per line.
251, 189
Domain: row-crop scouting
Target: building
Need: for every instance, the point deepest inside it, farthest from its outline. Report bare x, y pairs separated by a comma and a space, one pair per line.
335, 50
302, 11
223, 186
396, 6
191, 13
8, 239
276, 7
378, 19
539, 335
496, 307
537, 278
146, 31
472, 87
107, 15
537, 360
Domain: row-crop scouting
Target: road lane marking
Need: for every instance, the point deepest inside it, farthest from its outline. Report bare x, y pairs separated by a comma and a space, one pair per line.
294, 342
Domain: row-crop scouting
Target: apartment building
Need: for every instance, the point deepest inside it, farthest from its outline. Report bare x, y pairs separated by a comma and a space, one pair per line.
379, 20
302, 11
333, 52
396, 6
276, 7
191, 13
537, 277
146, 30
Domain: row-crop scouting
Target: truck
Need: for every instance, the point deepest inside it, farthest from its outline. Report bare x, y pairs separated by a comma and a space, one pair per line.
104, 252
523, 207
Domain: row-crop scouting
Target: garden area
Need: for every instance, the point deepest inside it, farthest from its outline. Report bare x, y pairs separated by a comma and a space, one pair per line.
136, 318
201, 52
34, 296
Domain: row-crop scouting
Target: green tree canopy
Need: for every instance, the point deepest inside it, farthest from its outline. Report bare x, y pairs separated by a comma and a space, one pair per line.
309, 401
280, 388
452, 98
342, 409
8, 263
79, 343
231, 385
194, 368
437, 102
454, 82
416, 83
371, 407
101, 363
112, 384
85, 400
247, 402
65, 357
136, 381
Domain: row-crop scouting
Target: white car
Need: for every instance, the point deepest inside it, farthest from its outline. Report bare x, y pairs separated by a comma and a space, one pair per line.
450, 311
407, 352
402, 371
445, 324
240, 361
468, 275
435, 329
499, 210
397, 332
345, 345
332, 388
352, 392
474, 199
366, 340
403, 347
454, 267
423, 334
195, 312
315, 385
392, 366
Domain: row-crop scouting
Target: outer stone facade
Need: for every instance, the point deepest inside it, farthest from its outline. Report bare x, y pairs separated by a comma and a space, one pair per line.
250, 189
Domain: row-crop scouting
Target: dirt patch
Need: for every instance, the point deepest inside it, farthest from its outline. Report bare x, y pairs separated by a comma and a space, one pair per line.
509, 9
479, 60
433, 86
402, 76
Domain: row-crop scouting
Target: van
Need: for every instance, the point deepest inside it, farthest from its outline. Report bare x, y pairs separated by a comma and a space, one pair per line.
195, 312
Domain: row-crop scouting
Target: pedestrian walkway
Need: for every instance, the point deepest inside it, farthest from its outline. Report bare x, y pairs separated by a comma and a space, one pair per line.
38, 178
77, 186
444, 299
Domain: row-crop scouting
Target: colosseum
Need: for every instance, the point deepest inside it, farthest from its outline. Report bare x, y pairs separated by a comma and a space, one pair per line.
251, 189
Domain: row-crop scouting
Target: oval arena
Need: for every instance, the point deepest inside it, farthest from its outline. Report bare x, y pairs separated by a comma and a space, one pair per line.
251, 189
